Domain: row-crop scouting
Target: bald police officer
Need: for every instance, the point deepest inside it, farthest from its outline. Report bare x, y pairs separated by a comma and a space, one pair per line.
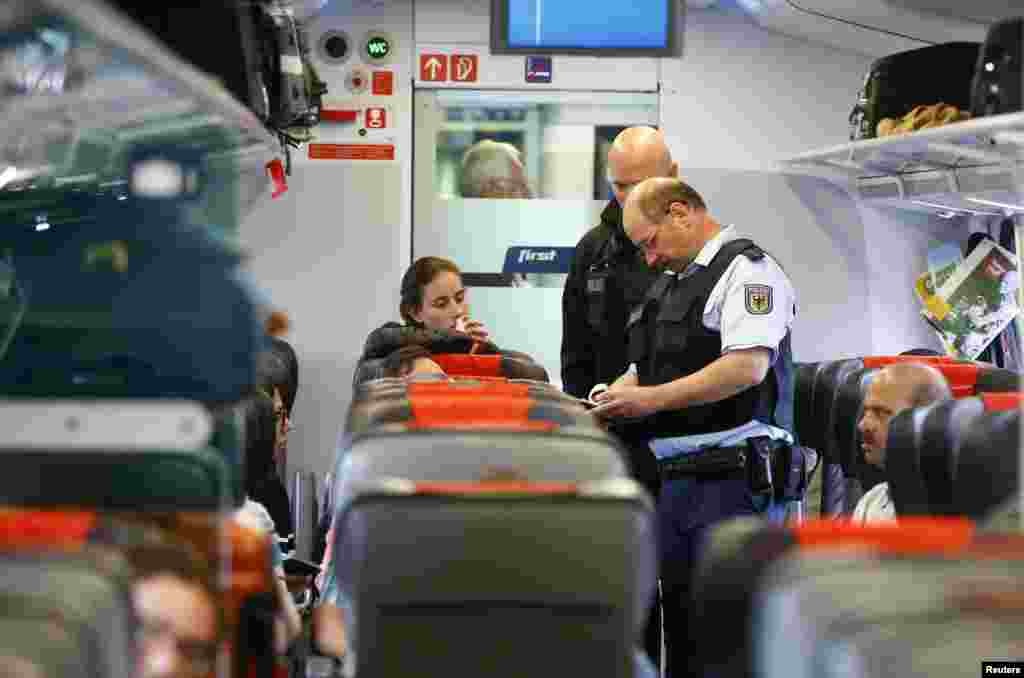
709, 389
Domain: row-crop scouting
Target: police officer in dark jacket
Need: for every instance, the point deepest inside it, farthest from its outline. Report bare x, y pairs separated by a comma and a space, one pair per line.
709, 389
607, 276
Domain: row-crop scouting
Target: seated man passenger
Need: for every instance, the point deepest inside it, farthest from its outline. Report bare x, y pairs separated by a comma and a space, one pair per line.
893, 389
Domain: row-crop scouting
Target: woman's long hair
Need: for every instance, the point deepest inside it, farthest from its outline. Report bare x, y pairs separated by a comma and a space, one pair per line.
418, 276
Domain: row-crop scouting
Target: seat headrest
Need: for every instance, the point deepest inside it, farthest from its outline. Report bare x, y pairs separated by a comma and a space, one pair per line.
945, 429
803, 401
825, 396
878, 361
568, 455
961, 377
998, 380
903, 463
911, 535
988, 468
996, 402
465, 404
849, 406
495, 365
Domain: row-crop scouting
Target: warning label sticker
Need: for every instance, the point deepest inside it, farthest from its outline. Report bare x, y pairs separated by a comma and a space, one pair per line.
351, 152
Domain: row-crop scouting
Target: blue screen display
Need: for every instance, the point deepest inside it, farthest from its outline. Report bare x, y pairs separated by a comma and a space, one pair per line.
597, 24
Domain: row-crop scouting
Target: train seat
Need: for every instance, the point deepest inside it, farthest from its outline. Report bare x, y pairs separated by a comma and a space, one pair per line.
86, 594
502, 577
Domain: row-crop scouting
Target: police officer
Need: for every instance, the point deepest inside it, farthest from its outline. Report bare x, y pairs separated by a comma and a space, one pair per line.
607, 276
710, 384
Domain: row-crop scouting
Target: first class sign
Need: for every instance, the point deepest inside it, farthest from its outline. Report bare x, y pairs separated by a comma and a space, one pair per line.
538, 259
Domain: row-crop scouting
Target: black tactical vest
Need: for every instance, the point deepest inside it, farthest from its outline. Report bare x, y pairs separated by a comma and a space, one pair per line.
668, 340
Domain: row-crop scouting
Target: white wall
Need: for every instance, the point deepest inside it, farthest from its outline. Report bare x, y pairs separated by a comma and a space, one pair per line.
331, 251
742, 97
899, 244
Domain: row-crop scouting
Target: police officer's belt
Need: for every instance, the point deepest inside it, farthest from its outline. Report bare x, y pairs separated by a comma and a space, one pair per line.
714, 460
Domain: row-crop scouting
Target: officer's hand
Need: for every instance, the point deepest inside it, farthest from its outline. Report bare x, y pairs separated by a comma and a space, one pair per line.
627, 401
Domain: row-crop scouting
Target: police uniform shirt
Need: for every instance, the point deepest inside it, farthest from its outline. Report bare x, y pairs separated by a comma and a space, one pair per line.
752, 306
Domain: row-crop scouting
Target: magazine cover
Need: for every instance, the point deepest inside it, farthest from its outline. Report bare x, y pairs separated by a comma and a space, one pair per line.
976, 301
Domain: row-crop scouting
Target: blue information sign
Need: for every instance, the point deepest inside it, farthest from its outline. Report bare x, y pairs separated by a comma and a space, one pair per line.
538, 259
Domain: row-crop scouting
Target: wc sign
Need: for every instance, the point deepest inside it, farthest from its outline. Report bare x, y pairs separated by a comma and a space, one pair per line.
538, 259
376, 118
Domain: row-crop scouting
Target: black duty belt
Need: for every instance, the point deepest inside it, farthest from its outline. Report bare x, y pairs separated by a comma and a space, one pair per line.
713, 460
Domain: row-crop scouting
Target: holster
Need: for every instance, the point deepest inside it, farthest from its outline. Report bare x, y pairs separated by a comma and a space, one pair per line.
793, 468
759, 464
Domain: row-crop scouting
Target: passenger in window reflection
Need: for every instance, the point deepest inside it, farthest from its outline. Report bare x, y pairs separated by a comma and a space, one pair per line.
492, 169
607, 278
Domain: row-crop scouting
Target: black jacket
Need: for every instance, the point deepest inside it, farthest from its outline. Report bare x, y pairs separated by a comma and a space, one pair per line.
606, 279
393, 336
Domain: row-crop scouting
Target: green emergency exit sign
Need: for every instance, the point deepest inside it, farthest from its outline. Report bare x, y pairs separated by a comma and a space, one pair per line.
378, 47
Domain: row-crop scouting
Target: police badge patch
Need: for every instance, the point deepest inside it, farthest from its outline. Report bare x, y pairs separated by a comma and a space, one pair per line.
759, 299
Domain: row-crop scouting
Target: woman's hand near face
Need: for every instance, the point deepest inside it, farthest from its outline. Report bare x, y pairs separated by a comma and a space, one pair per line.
476, 329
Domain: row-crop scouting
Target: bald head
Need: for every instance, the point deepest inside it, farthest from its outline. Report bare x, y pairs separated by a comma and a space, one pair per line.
894, 389
638, 153
923, 384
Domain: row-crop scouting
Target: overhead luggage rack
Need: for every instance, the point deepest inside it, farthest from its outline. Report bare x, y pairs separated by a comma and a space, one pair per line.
77, 70
970, 167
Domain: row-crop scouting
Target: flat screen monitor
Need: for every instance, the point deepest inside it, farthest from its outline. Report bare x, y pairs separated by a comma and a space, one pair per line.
594, 27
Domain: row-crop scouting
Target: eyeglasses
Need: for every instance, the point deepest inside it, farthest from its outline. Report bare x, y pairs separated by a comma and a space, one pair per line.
201, 655
645, 245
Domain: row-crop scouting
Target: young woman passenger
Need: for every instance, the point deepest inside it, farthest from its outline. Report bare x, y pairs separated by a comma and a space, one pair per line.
259, 436
434, 299
278, 377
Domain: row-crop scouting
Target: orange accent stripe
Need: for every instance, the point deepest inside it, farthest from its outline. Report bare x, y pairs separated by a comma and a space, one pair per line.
45, 528
492, 425
468, 365
515, 487
488, 386
959, 375
480, 406
883, 360
1002, 401
911, 535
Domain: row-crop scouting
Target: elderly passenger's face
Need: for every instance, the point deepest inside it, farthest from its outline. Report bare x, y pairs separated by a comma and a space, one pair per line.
179, 628
444, 302
884, 399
